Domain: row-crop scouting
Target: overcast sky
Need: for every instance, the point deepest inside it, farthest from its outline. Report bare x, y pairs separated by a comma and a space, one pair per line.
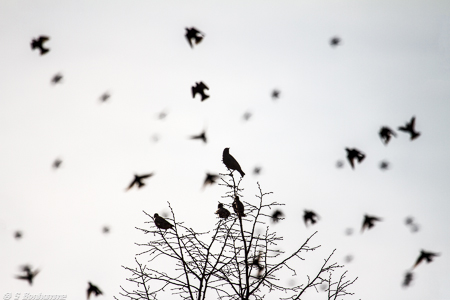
393, 64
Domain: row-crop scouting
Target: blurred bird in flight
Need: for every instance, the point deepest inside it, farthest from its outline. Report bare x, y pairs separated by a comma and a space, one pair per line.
230, 162
29, 276
104, 97
309, 216
275, 94
384, 165
210, 179
200, 88
353, 154
409, 128
57, 163
57, 78
277, 214
138, 180
93, 289
39, 44
425, 255
335, 41
368, 222
385, 134
194, 35
201, 136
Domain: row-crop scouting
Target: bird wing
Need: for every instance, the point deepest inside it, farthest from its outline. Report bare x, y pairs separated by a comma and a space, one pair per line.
203, 86
412, 122
131, 184
194, 91
146, 176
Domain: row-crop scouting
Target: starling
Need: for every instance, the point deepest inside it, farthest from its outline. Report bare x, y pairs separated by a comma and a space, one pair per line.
210, 179
200, 88
138, 180
335, 41
230, 162
384, 165
275, 94
385, 134
57, 163
257, 170
93, 289
424, 255
277, 214
192, 34
309, 216
18, 235
409, 128
369, 222
105, 96
161, 223
201, 136
39, 44
57, 78
29, 276
238, 207
222, 212
354, 153
105, 229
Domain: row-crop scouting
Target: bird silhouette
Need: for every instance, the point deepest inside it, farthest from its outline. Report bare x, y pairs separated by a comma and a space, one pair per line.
161, 223
105, 229
424, 255
277, 214
275, 94
384, 165
409, 128
57, 163
29, 276
105, 96
210, 179
93, 289
18, 235
222, 211
39, 44
385, 134
257, 170
200, 88
201, 136
353, 154
57, 78
247, 115
230, 162
193, 35
138, 180
309, 216
409, 276
369, 222
335, 41
238, 207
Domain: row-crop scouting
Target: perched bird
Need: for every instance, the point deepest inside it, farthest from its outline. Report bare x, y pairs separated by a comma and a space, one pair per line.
409, 276
93, 289
138, 180
201, 136
210, 179
335, 41
309, 216
161, 223
369, 222
353, 154
105, 96
39, 44
57, 78
385, 134
424, 255
57, 163
238, 207
275, 94
29, 276
409, 128
230, 162
277, 214
200, 88
222, 211
193, 35
384, 165
18, 235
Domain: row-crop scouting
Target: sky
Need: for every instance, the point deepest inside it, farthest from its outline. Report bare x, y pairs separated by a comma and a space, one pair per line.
393, 64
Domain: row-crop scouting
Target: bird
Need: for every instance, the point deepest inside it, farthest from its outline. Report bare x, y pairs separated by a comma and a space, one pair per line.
105, 96
257, 170
309, 216
162, 115
39, 44
339, 164
29, 274
369, 222
93, 289
105, 229
277, 214
200, 88
201, 136
409, 276
335, 41
238, 207
409, 221
138, 180
210, 179
384, 165
222, 212
18, 235
57, 163
247, 115
275, 94
162, 223
353, 154
409, 128
385, 134
192, 34
230, 162
424, 255
257, 263
57, 78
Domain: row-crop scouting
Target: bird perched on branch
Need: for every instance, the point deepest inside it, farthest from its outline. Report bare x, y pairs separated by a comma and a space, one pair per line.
424, 255
309, 216
200, 88
369, 222
138, 180
222, 211
193, 35
353, 154
409, 128
29, 276
230, 162
162, 223
385, 134
93, 289
238, 207
39, 44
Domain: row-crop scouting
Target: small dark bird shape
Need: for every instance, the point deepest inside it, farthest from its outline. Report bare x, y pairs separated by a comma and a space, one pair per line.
275, 94
222, 211
210, 179
105, 96
138, 180
105, 229
93, 289
162, 115
238, 207
424, 255
309, 216
384, 165
57, 163
339, 164
335, 41
29, 274
201, 136
247, 115
39, 44
369, 222
193, 35
200, 88
353, 154
57, 78
18, 235
257, 170
409, 276
409, 128
277, 214
230, 162
161, 223
385, 134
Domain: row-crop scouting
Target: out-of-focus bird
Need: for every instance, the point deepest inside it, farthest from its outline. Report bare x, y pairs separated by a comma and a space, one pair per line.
230, 162
138, 180
238, 207
425, 255
162, 223
335, 41
353, 154
409, 128
277, 215
368, 222
200, 88
409, 221
349, 231
105, 229
18, 235
39, 44
309, 216
201, 136
57, 78
222, 211
194, 35
56, 163
275, 94
210, 179
105, 96
257, 170
339, 164
162, 115
385, 134
348, 258
247, 115
29, 276
93, 289
409, 276
384, 165
257, 263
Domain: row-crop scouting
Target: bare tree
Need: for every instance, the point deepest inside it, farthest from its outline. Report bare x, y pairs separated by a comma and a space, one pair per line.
233, 261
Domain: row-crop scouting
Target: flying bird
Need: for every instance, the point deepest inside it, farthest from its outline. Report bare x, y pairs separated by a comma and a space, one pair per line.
385, 134
57, 78
93, 289
424, 255
369, 222
39, 44
309, 216
230, 162
201, 136
384, 165
105, 229
238, 207
29, 276
335, 41
105, 96
339, 164
194, 35
210, 179
353, 154
200, 88
275, 94
409, 128
162, 223
409, 221
222, 211
409, 276
18, 234
257, 170
57, 163
247, 115
138, 180
277, 214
